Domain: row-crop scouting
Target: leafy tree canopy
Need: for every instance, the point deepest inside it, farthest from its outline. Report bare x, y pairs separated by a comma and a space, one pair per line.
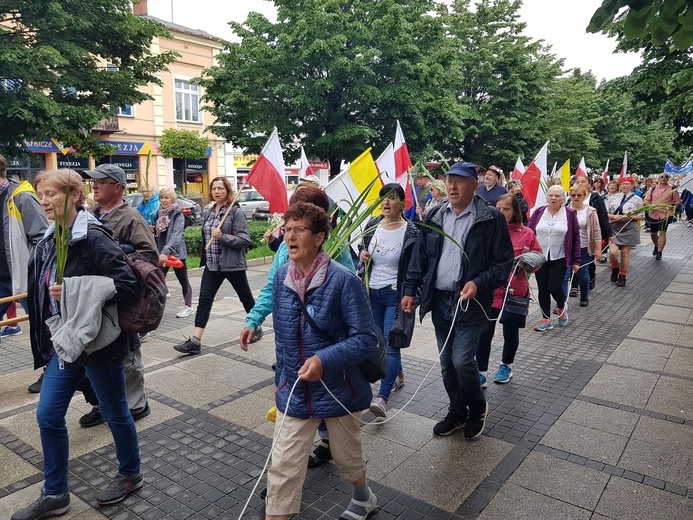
53, 79
183, 144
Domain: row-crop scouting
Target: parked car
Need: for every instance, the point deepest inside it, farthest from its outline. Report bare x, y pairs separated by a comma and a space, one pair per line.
191, 210
262, 212
248, 200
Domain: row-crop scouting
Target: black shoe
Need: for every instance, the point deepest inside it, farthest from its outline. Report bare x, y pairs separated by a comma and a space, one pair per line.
35, 388
119, 489
621, 280
593, 283
263, 494
475, 426
654, 251
44, 507
321, 454
144, 337
584, 302
448, 425
140, 414
257, 335
93, 418
614, 274
188, 347
658, 256
573, 292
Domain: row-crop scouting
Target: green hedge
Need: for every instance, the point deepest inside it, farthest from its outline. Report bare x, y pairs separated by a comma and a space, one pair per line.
193, 236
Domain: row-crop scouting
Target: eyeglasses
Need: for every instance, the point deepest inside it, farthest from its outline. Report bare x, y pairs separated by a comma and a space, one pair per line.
576, 196
299, 230
96, 182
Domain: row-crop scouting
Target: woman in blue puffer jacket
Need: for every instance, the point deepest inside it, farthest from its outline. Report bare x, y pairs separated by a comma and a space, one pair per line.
327, 351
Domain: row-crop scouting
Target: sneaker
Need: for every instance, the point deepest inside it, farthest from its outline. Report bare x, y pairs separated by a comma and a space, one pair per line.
603, 260
543, 325
91, 419
379, 407
621, 280
448, 425
399, 382
144, 337
11, 331
475, 426
503, 375
188, 347
257, 335
482, 381
563, 317
168, 295
321, 454
44, 507
140, 414
573, 292
119, 488
614, 274
185, 312
35, 388
687, 222
658, 256
584, 302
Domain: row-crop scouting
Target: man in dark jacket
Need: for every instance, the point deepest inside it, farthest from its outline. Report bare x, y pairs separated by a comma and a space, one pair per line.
136, 239
466, 269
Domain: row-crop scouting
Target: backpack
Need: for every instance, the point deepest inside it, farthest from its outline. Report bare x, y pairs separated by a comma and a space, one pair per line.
144, 314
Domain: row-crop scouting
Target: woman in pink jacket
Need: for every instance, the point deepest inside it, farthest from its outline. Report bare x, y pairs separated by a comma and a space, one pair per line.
523, 240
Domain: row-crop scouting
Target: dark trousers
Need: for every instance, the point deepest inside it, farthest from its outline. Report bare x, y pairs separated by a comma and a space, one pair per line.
511, 340
209, 286
550, 283
182, 275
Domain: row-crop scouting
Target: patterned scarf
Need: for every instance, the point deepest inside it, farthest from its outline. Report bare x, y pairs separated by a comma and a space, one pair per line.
3, 185
302, 282
164, 219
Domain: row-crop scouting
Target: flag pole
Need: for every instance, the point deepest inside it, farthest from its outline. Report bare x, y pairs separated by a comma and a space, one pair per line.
228, 210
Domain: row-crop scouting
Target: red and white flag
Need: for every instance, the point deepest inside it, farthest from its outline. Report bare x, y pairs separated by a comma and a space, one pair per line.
402, 166
306, 169
267, 175
535, 179
581, 169
605, 174
518, 171
624, 166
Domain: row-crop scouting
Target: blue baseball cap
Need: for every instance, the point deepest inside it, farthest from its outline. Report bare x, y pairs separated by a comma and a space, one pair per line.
463, 169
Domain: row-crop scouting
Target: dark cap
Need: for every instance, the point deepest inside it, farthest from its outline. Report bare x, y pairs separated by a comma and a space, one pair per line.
110, 171
463, 169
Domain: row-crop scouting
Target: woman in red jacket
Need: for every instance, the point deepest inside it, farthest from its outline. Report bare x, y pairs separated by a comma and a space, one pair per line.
523, 240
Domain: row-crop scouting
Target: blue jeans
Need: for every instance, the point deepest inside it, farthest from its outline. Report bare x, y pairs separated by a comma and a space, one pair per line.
582, 275
383, 305
56, 392
458, 361
5, 291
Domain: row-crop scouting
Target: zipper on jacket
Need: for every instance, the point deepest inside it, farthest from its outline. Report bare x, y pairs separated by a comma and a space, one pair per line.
303, 361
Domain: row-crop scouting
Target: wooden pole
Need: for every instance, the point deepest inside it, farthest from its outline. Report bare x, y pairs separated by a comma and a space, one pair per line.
13, 298
235, 197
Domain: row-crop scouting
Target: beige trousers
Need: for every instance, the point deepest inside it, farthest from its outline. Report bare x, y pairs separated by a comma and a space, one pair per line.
290, 458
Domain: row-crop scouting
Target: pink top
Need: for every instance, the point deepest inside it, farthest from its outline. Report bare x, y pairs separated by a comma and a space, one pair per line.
666, 195
522, 237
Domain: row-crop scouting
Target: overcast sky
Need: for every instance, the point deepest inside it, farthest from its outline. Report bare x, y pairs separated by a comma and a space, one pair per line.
560, 23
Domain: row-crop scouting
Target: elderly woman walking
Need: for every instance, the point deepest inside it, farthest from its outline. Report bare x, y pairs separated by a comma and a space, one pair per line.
625, 227
323, 329
558, 232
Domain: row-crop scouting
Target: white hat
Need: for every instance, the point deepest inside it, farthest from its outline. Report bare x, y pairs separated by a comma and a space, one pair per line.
311, 178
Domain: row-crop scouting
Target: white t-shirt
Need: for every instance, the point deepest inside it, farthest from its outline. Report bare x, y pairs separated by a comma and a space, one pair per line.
385, 249
582, 221
551, 232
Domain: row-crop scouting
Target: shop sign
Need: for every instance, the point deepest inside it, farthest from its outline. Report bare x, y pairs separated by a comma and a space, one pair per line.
243, 161
70, 161
131, 147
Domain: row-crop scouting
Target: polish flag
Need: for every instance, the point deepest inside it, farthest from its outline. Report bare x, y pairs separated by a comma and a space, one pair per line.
402, 166
535, 179
518, 171
605, 174
624, 166
306, 169
267, 175
581, 169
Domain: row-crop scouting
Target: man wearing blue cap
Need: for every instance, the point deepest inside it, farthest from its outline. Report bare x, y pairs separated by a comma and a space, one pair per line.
463, 256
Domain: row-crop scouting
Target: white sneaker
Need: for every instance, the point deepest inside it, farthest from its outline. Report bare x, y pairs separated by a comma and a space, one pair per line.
168, 295
379, 407
184, 312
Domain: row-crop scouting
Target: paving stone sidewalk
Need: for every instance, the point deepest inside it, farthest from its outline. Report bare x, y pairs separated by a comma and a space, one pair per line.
596, 423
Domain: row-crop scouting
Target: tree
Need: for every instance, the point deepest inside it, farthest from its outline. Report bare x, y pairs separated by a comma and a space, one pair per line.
335, 75
53, 78
503, 80
183, 144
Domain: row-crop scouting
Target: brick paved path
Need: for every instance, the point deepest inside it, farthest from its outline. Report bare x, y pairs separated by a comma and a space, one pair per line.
596, 423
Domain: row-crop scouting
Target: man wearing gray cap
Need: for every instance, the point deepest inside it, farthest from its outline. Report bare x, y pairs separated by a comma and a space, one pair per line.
132, 231
459, 260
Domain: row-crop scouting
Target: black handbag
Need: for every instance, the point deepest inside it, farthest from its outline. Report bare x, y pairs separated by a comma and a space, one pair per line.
515, 311
402, 329
375, 366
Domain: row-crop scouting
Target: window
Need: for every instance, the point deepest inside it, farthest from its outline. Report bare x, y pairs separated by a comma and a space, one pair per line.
187, 101
125, 111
